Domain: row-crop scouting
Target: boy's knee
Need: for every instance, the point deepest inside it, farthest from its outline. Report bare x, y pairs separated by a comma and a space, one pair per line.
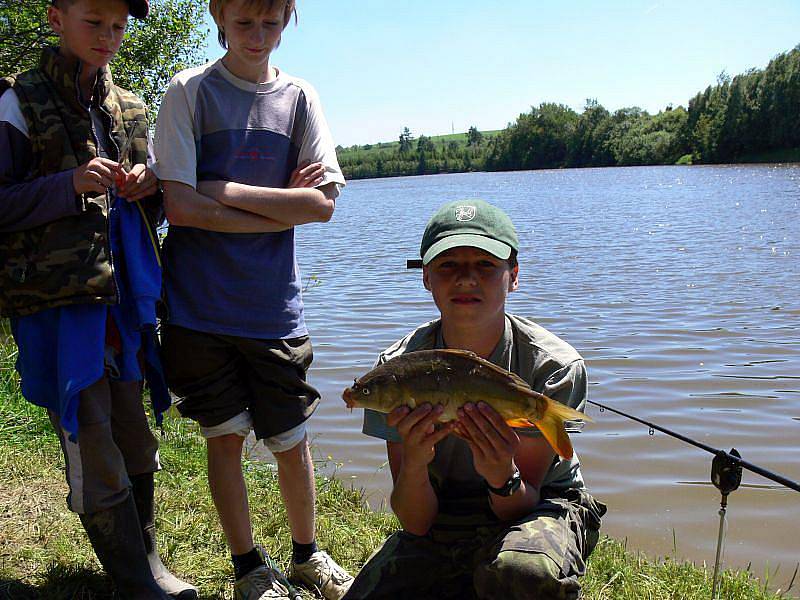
291, 446
225, 444
141, 454
524, 575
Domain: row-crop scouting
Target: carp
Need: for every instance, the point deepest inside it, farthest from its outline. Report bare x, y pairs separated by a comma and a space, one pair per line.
453, 378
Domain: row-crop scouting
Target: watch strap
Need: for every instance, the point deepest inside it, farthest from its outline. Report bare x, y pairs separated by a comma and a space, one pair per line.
509, 487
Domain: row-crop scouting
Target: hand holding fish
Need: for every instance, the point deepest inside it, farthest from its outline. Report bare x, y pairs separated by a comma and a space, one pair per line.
492, 441
418, 430
137, 183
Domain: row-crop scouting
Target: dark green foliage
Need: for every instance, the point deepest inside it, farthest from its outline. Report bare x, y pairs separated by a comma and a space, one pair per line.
169, 40
538, 140
474, 137
753, 116
757, 112
405, 141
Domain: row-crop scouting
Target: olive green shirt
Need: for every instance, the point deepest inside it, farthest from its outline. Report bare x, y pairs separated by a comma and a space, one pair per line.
549, 365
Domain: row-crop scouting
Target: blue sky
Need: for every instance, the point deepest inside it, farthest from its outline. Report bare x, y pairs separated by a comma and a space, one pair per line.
435, 65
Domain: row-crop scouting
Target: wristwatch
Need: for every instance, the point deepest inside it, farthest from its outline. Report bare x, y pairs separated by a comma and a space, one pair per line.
509, 487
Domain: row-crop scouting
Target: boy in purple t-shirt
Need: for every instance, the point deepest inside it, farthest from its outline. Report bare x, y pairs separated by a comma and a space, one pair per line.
245, 155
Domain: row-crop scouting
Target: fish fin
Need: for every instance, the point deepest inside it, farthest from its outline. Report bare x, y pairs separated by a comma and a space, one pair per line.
456, 352
552, 428
520, 423
483, 362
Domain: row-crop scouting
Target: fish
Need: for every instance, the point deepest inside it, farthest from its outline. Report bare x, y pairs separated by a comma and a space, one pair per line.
453, 378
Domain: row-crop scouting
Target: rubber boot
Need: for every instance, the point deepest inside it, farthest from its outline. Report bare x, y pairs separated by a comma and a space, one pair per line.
117, 540
143, 495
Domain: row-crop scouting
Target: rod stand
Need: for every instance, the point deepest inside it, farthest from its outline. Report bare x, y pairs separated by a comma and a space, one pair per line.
726, 475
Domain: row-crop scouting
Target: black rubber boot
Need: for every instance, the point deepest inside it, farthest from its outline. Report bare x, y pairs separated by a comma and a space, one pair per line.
117, 540
143, 494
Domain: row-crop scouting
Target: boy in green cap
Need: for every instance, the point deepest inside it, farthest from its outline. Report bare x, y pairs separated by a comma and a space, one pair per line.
487, 511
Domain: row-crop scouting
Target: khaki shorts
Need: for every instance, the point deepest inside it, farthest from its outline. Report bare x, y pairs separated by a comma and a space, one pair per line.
229, 384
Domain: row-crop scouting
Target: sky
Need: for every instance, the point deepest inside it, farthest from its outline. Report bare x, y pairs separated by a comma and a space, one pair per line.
438, 66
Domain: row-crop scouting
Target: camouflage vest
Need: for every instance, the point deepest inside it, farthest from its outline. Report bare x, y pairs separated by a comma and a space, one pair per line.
67, 261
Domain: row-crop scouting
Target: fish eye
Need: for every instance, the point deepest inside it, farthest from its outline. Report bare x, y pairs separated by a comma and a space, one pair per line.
365, 391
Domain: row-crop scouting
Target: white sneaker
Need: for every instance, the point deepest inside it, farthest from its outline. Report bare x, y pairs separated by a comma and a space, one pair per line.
260, 584
321, 573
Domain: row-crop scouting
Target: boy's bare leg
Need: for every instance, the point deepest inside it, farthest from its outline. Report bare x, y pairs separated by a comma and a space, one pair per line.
229, 491
296, 479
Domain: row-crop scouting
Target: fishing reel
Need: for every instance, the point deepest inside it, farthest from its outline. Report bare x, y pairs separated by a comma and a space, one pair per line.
726, 471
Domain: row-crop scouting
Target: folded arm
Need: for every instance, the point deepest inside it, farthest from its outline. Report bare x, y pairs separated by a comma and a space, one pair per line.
294, 206
187, 207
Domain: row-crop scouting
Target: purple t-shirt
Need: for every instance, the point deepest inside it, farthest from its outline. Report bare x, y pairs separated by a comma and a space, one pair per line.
213, 126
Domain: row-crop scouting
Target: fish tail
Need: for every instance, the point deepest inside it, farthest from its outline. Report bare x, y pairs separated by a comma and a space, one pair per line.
552, 428
520, 423
551, 425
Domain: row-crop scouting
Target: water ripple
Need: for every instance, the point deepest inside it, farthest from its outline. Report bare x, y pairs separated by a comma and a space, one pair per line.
678, 284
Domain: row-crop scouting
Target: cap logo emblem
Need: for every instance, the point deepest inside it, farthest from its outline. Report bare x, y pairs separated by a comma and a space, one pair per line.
465, 213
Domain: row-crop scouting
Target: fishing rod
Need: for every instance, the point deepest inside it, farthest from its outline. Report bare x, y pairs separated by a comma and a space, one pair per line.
733, 457
726, 475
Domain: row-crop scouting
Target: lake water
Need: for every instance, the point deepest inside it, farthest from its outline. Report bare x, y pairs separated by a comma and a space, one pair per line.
679, 285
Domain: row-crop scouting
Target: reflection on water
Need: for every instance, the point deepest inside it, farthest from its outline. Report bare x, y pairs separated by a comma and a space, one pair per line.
677, 284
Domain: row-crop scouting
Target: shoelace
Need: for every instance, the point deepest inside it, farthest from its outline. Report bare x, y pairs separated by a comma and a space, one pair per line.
270, 583
337, 574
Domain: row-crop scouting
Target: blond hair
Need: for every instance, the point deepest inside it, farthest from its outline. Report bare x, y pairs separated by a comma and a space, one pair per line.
215, 7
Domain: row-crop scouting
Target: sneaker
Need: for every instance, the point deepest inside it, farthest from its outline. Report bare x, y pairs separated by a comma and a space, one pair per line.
321, 573
262, 583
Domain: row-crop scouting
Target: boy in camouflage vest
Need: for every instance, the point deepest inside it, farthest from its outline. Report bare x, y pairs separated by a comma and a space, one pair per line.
487, 511
80, 279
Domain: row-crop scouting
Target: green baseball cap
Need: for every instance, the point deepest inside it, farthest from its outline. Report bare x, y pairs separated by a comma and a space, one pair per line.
474, 223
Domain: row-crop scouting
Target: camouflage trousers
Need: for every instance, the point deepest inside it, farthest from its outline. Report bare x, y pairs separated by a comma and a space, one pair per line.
538, 557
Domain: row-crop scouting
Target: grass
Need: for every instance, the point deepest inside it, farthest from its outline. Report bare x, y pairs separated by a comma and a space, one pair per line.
45, 554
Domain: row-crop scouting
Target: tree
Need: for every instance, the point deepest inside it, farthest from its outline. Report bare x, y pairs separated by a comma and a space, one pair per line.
405, 141
170, 39
474, 137
425, 144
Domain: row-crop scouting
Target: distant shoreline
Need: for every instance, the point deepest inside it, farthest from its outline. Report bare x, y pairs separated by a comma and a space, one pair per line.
750, 118
777, 157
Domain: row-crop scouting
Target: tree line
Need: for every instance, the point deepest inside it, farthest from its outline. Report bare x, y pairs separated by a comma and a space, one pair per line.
755, 115
416, 156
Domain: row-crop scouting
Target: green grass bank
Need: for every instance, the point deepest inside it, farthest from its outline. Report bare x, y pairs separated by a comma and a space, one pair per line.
45, 554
